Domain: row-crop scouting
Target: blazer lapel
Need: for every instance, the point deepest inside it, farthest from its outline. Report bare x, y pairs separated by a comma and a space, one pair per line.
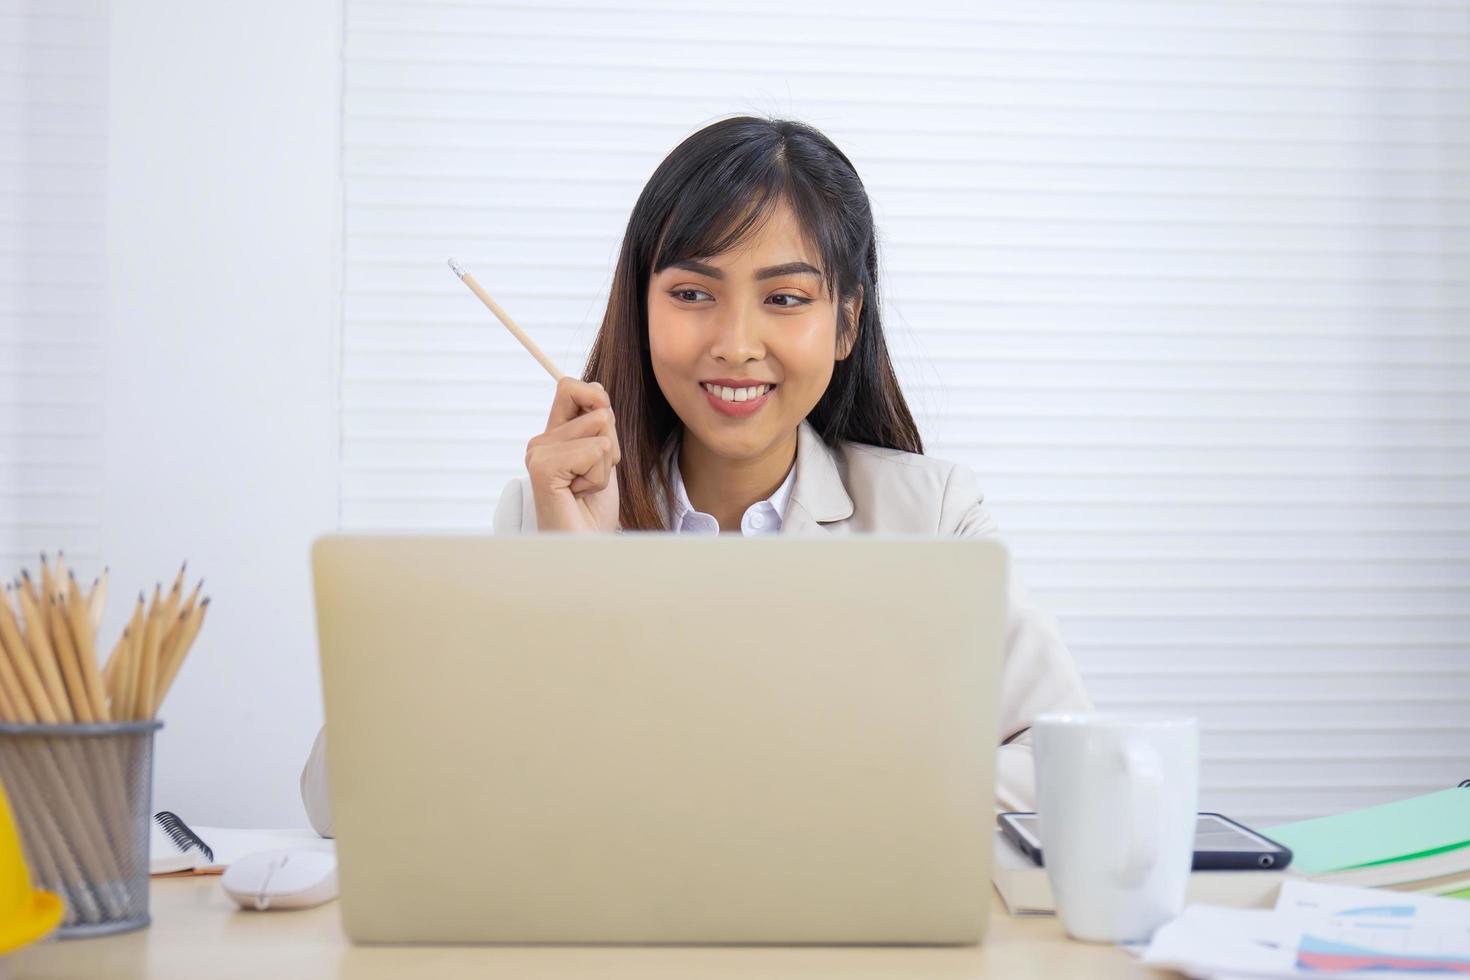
818, 497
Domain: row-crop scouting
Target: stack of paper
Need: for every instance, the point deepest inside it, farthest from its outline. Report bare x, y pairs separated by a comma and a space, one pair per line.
1320, 930
1420, 844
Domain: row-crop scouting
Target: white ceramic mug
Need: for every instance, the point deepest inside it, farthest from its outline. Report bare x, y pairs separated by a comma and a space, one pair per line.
1117, 798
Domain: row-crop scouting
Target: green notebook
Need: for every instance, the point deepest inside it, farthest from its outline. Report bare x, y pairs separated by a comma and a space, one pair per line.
1412, 828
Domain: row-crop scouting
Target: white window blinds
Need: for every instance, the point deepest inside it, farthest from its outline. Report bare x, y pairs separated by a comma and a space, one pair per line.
1184, 282
53, 152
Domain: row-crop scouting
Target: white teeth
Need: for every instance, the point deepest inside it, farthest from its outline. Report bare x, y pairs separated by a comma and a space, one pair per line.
735, 394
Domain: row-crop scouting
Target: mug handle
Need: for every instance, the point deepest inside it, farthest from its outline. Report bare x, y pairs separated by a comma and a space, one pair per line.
1145, 779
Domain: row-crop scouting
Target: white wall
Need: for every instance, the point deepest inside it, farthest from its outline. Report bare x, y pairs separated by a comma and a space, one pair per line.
223, 258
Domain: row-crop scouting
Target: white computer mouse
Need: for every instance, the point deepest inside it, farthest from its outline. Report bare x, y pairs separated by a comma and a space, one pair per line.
289, 879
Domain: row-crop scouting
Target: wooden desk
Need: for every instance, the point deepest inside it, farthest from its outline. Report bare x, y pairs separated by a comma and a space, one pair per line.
198, 932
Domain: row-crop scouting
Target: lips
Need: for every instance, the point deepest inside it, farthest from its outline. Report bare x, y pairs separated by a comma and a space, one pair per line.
737, 402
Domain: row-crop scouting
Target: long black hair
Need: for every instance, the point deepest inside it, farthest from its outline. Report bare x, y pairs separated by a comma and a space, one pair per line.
706, 198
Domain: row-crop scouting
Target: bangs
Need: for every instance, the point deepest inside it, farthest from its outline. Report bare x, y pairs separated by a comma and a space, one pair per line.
721, 212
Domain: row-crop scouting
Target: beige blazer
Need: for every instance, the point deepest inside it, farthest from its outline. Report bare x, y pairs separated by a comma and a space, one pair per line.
858, 489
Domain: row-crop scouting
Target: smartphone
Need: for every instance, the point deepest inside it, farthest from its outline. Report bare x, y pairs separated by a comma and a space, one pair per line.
1220, 844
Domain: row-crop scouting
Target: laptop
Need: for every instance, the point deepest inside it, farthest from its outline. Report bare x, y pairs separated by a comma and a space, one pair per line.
650, 738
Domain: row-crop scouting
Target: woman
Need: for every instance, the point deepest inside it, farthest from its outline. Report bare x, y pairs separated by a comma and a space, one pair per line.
743, 352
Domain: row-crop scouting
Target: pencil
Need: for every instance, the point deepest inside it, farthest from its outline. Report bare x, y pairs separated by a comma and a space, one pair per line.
24, 668
112, 670
128, 685
98, 760
84, 638
183, 640
44, 657
48, 585
97, 601
61, 789
504, 317
179, 580
54, 871
56, 833
148, 666
58, 581
54, 770
27, 585
71, 668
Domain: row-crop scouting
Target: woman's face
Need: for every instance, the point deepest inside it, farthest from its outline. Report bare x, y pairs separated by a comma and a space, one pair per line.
754, 318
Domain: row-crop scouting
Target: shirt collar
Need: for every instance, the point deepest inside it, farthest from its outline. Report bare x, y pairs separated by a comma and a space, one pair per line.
683, 508
814, 491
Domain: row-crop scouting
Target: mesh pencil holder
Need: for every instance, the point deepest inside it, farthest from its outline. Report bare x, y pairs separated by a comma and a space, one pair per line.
81, 795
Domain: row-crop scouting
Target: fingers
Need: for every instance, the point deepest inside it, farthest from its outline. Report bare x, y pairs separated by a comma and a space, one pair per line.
573, 397
579, 450
596, 479
579, 465
598, 422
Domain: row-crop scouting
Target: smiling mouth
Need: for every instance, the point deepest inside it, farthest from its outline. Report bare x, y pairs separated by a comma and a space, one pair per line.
736, 394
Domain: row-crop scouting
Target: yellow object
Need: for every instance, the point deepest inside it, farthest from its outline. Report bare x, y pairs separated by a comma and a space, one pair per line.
26, 914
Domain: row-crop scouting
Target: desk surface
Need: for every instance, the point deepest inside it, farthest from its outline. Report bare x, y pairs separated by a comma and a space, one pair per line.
197, 931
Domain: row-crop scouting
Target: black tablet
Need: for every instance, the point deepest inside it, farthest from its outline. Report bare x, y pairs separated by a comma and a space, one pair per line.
1220, 844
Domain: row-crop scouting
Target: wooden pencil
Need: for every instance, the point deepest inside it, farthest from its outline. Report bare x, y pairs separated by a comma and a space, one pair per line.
73, 633
49, 831
23, 666
504, 317
50, 855
176, 591
53, 773
59, 788
15, 707
97, 601
38, 646
84, 638
111, 672
71, 669
8, 710
26, 584
63, 761
18, 701
129, 683
182, 643
148, 667
171, 638
58, 580
48, 584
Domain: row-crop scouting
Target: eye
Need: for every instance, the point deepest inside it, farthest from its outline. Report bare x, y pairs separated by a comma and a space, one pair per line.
688, 295
795, 301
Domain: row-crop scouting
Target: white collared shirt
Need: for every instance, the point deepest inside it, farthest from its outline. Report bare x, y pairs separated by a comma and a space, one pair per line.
761, 517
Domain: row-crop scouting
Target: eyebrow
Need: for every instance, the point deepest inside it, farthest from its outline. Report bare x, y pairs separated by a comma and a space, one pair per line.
769, 272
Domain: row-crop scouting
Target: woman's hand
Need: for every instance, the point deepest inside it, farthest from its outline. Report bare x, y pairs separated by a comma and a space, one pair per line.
573, 464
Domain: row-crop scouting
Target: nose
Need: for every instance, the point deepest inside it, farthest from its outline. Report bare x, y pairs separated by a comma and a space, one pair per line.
737, 335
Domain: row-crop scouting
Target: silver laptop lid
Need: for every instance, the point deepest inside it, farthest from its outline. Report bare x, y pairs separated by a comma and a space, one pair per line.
651, 738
